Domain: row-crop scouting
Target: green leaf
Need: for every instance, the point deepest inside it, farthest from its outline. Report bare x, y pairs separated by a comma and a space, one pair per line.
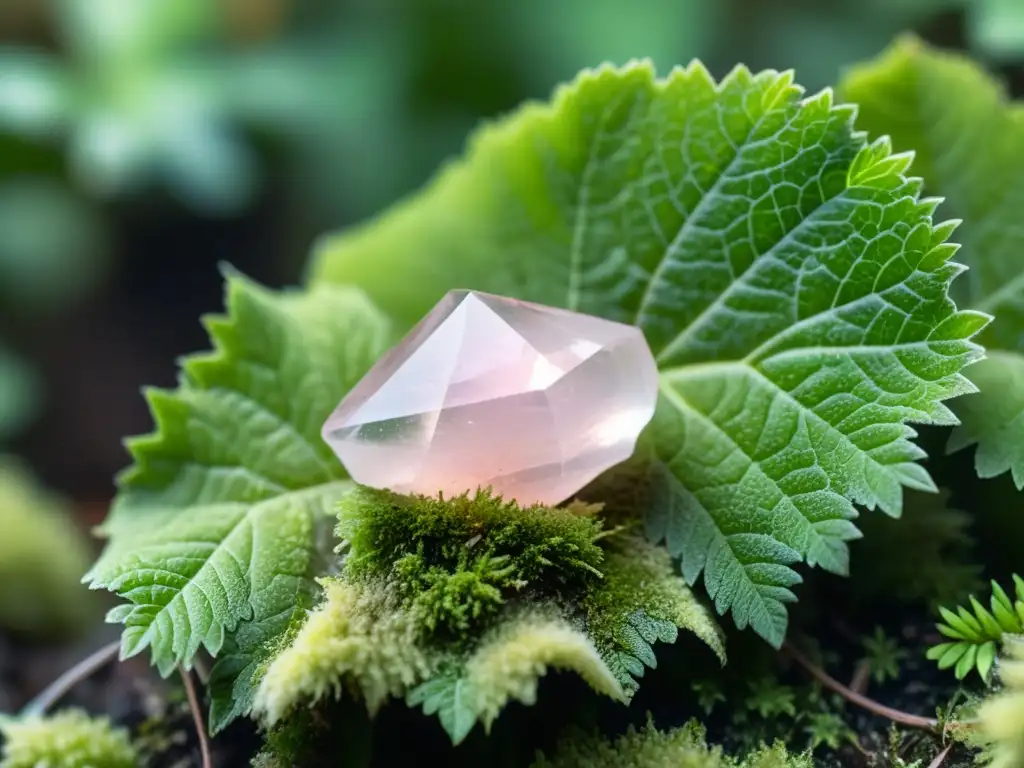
788, 277
507, 666
233, 679
968, 140
47, 267
638, 602
993, 418
449, 697
977, 632
996, 27
108, 32
216, 523
35, 93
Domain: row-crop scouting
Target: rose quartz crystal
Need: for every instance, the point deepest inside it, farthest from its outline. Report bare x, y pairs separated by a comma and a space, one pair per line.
488, 391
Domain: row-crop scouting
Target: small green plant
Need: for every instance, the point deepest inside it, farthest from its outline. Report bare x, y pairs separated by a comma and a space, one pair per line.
883, 656
826, 729
976, 633
69, 739
770, 699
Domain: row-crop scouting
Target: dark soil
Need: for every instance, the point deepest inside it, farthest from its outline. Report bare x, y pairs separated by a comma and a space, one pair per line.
133, 695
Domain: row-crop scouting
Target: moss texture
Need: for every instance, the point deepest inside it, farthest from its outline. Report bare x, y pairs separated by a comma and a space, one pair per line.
684, 747
457, 561
42, 559
69, 739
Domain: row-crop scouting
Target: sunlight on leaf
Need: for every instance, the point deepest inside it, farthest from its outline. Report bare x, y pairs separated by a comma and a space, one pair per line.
788, 276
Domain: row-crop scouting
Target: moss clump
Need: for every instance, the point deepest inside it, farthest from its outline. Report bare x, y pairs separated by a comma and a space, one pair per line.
454, 600
358, 636
42, 559
511, 659
457, 560
69, 739
684, 747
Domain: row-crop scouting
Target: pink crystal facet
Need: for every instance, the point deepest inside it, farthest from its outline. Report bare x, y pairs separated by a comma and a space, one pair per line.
487, 391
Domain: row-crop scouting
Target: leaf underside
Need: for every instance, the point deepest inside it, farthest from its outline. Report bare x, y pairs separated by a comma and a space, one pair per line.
788, 277
968, 139
215, 527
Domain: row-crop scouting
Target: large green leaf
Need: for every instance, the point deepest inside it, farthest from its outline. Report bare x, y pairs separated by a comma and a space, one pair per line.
969, 145
788, 277
216, 523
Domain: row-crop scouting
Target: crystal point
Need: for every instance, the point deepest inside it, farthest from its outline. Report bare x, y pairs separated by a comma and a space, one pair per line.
530, 400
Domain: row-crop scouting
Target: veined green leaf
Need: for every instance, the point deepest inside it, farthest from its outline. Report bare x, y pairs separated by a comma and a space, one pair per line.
788, 276
216, 523
968, 140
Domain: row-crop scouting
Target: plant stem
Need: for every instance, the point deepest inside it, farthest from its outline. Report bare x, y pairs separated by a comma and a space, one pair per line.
59, 688
896, 715
861, 676
941, 757
197, 717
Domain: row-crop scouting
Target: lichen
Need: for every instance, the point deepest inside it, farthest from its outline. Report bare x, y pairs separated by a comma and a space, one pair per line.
509, 662
359, 638
69, 739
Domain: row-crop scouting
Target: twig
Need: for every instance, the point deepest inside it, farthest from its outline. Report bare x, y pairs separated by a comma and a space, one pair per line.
59, 688
201, 669
197, 717
896, 715
861, 677
941, 757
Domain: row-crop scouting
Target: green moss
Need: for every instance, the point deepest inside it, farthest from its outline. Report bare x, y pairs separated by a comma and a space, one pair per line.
640, 601
357, 640
684, 747
336, 733
42, 559
454, 600
455, 561
69, 739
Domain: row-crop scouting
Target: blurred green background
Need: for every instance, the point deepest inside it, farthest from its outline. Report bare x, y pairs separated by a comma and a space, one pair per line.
144, 141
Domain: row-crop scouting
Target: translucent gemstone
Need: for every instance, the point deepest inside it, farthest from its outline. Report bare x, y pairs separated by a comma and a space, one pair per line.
487, 391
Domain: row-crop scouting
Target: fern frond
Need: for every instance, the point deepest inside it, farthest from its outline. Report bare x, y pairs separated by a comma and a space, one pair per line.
975, 634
